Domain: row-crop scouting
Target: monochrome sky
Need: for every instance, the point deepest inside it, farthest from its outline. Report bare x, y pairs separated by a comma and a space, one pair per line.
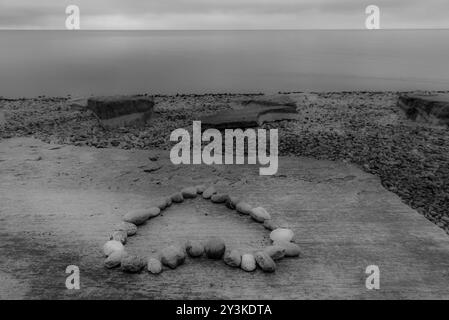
223, 14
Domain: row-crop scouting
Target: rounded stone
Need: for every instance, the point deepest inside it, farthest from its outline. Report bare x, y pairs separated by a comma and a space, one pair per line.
201, 188
119, 236
275, 252
271, 225
265, 262
130, 228
233, 258
153, 212
248, 262
259, 214
137, 217
168, 202
219, 198
209, 192
161, 203
231, 202
114, 259
154, 266
111, 246
177, 197
194, 248
189, 192
214, 248
281, 234
132, 264
173, 256
243, 207
291, 249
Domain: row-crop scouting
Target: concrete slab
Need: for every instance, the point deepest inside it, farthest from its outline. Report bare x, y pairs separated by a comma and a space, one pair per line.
121, 111
429, 108
59, 210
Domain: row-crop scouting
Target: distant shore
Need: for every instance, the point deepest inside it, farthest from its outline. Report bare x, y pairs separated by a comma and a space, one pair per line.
364, 128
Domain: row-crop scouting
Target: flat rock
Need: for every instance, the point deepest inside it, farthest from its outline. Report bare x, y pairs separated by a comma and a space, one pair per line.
132, 263
252, 113
429, 108
122, 111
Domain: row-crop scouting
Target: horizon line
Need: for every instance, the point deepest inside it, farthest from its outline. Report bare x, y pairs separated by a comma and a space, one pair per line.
281, 29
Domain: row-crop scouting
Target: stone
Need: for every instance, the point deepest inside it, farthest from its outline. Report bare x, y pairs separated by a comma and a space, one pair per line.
281, 234
248, 262
189, 192
275, 252
194, 248
201, 188
173, 256
243, 207
265, 262
154, 266
119, 236
251, 113
137, 217
121, 111
231, 202
111, 246
232, 258
114, 259
153, 212
219, 198
132, 263
432, 108
271, 225
259, 214
214, 248
161, 203
177, 197
291, 249
209, 192
130, 228
169, 202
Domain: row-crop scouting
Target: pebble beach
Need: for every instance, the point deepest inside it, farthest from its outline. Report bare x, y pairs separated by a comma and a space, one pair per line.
364, 128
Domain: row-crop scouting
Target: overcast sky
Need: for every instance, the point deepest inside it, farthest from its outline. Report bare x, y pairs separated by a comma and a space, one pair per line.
223, 14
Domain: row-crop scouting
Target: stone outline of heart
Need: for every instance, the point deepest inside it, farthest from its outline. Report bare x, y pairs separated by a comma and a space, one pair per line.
274, 252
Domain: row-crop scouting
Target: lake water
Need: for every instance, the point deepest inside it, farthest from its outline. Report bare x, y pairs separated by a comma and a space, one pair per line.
56, 63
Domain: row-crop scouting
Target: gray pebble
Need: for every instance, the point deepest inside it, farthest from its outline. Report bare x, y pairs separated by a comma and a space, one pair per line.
243, 207
275, 252
119, 236
248, 262
177, 197
265, 262
114, 259
219, 198
173, 256
132, 264
154, 266
259, 214
130, 228
233, 258
189, 193
214, 248
194, 248
209, 192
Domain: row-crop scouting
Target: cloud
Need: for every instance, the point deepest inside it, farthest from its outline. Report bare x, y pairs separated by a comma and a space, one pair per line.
223, 14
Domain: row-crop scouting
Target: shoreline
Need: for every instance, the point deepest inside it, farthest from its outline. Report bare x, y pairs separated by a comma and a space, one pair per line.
360, 127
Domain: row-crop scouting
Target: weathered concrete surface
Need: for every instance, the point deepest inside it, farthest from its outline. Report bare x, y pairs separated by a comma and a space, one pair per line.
119, 111
429, 108
59, 210
253, 113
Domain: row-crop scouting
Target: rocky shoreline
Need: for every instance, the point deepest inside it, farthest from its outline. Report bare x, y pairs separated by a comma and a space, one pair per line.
365, 128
